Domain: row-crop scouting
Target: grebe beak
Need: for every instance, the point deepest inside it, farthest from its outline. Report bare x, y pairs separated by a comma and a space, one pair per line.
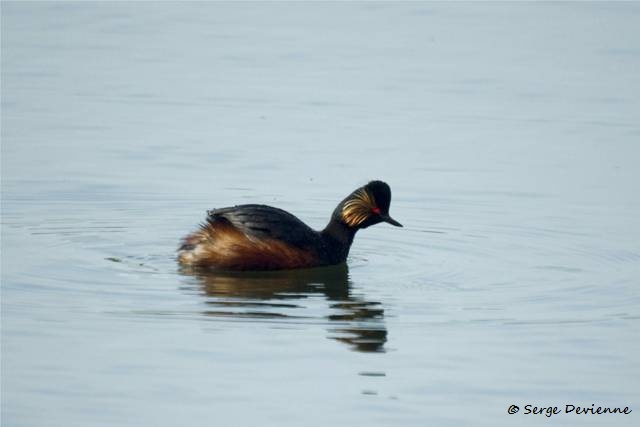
387, 218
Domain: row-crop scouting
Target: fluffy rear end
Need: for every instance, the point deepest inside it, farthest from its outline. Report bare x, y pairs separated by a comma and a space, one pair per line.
191, 249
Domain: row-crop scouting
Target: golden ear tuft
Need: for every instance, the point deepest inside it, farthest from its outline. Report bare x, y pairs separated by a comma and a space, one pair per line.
357, 209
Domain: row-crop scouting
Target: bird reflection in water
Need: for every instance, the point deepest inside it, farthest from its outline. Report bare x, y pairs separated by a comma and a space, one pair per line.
287, 296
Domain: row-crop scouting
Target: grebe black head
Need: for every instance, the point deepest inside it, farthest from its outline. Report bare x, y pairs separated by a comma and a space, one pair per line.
366, 206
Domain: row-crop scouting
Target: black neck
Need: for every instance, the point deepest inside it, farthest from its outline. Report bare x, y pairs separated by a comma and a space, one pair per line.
337, 238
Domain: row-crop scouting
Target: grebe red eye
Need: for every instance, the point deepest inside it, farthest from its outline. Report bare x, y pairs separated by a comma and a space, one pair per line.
376, 210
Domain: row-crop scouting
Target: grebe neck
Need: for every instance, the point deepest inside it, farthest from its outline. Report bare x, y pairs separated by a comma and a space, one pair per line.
337, 238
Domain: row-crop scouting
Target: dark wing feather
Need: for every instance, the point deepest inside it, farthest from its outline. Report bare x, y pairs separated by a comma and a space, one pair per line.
263, 221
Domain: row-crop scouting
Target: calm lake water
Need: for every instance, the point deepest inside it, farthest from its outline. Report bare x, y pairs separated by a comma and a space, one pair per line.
509, 134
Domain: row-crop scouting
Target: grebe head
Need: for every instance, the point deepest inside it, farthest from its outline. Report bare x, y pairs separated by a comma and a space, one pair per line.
366, 206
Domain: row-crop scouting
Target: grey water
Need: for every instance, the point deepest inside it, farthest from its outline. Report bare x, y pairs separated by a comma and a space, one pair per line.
508, 132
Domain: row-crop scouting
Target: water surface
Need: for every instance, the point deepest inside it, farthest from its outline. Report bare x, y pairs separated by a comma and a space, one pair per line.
508, 133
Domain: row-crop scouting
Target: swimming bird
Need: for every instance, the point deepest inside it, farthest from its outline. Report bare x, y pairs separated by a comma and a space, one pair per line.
260, 237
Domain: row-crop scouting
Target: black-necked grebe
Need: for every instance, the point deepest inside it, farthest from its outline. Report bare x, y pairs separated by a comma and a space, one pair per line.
259, 237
